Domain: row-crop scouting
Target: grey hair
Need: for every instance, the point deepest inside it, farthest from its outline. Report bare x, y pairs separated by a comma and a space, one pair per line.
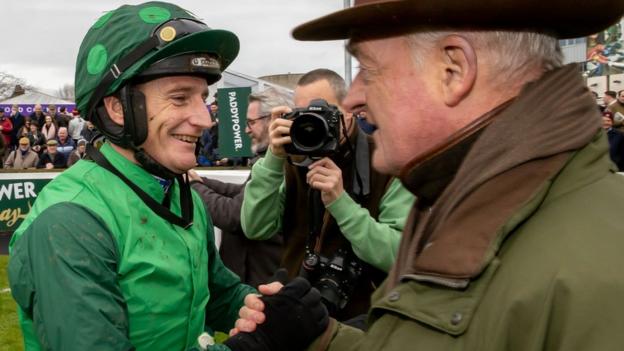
510, 55
271, 98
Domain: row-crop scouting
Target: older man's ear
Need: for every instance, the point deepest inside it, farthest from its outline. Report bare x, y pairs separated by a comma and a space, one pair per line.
458, 68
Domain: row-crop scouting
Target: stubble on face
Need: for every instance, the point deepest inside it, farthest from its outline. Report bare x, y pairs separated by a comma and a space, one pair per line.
260, 142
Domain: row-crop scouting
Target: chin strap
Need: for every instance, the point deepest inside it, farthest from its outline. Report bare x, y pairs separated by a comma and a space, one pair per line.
186, 202
150, 165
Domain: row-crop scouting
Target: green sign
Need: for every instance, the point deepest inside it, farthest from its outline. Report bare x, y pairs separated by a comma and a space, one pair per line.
16, 198
233, 141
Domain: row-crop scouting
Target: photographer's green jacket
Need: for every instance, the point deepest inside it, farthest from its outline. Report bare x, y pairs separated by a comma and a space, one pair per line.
93, 268
521, 250
375, 241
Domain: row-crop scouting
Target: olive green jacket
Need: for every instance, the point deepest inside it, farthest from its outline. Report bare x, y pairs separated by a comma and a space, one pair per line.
551, 276
556, 284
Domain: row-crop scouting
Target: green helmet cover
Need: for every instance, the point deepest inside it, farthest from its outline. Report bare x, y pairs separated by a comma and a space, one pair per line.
119, 32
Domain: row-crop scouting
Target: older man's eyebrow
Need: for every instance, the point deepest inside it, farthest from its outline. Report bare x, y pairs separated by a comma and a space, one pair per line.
354, 49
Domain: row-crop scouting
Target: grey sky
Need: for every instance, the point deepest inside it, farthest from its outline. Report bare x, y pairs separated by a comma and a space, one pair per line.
42, 37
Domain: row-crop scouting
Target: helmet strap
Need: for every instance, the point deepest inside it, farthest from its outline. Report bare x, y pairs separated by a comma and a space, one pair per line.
186, 200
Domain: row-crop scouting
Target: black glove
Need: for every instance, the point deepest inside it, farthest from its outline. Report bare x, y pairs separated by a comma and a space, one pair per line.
294, 318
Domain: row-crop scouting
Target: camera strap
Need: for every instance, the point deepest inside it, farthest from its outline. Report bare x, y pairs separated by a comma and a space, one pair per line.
315, 224
361, 165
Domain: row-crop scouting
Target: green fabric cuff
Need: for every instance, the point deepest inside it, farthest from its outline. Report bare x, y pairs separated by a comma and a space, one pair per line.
274, 163
341, 207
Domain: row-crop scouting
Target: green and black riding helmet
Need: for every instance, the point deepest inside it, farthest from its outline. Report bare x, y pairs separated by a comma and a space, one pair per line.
137, 43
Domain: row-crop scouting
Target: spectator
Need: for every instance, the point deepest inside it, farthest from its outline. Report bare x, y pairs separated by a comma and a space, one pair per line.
118, 254
3, 150
49, 128
64, 114
59, 119
613, 105
515, 241
24, 129
65, 144
364, 210
88, 132
18, 121
253, 261
205, 157
616, 140
78, 154
6, 130
75, 126
51, 158
214, 108
38, 115
37, 139
22, 157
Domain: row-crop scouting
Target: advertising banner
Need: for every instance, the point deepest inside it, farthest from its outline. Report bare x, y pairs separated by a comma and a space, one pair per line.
16, 198
233, 141
27, 109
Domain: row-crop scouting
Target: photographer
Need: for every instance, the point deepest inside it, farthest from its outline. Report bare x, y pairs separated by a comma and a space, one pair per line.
362, 211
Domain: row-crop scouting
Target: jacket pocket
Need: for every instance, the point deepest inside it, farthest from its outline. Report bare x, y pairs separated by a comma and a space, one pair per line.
445, 309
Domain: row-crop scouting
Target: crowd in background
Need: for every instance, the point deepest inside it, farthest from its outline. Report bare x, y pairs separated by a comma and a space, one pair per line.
51, 139
54, 138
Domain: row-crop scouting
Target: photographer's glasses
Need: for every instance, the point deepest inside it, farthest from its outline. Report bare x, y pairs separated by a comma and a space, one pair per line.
251, 122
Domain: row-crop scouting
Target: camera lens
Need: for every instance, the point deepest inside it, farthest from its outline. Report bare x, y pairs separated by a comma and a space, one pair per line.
308, 132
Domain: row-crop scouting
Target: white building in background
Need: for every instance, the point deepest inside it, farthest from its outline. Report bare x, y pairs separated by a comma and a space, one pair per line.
231, 79
574, 50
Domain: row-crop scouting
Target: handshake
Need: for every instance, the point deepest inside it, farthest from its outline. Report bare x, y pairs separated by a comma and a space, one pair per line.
282, 320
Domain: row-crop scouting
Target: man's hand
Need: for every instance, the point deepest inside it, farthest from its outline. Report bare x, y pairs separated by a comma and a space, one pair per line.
279, 131
325, 176
49, 165
252, 313
295, 316
193, 176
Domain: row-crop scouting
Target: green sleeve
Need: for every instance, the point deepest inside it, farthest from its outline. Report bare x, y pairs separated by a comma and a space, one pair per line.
227, 293
62, 273
370, 237
263, 203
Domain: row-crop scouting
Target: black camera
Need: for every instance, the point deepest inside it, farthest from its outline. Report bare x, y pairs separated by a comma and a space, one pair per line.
315, 130
334, 277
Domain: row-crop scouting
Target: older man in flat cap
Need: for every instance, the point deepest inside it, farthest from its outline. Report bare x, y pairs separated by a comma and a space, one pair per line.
515, 241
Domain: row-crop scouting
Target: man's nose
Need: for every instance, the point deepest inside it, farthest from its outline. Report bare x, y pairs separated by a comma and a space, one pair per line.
355, 101
201, 116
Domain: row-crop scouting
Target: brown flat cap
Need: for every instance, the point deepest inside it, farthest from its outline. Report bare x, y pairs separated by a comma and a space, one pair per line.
379, 18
